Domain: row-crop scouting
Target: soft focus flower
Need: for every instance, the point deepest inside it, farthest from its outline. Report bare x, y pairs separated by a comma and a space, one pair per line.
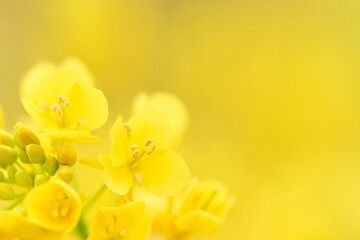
166, 107
33, 77
54, 205
141, 151
15, 226
124, 222
66, 107
202, 212
2, 122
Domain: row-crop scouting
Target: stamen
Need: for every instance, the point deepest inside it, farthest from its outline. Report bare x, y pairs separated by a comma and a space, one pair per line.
148, 142
65, 210
138, 178
55, 106
59, 112
63, 100
153, 149
128, 129
44, 106
135, 154
81, 122
55, 213
133, 147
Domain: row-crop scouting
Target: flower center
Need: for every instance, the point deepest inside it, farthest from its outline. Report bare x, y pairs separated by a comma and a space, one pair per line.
59, 110
61, 206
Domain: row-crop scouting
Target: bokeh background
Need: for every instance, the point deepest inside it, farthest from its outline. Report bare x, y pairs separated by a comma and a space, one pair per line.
272, 88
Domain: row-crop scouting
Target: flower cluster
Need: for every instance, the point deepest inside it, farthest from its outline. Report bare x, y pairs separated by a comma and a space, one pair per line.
38, 197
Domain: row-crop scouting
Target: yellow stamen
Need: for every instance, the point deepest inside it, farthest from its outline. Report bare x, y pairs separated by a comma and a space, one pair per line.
44, 106
135, 154
148, 142
138, 178
128, 129
153, 149
134, 147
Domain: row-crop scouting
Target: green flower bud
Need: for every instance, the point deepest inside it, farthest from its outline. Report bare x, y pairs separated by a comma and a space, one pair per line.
25, 137
11, 172
24, 179
40, 179
8, 155
6, 139
51, 165
2, 176
66, 175
35, 153
67, 155
23, 156
6, 192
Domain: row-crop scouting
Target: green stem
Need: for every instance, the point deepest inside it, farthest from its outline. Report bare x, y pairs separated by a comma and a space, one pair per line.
94, 198
20, 166
17, 202
82, 229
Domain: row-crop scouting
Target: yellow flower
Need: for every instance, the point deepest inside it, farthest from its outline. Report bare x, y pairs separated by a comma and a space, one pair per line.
202, 212
124, 222
15, 226
33, 77
66, 107
166, 107
54, 205
141, 151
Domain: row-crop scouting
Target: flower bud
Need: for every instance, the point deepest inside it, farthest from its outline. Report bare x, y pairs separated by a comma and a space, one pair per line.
23, 156
8, 155
40, 179
35, 153
6, 139
11, 172
51, 165
25, 137
6, 192
66, 175
67, 155
24, 179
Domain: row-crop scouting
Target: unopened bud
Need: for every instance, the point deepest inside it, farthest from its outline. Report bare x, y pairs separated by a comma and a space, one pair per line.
67, 155
66, 175
25, 137
23, 156
24, 179
8, 155
51, 165
6, 139
35, 153
6, 192
40, 179
11, 170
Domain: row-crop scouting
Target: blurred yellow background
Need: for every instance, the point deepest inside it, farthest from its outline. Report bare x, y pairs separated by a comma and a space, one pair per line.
272, 87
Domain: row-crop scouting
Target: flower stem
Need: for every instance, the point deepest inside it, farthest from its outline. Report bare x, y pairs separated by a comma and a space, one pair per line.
94, 198
17, 202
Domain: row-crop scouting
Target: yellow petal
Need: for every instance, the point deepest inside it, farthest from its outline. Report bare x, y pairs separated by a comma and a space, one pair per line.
56, 83
72, 136
144, 127
78, 66
54, 205
40, 115
86, 104
30, 83
166, 107
117, 179
198, 222
92, 162
15, 226
141, 230
119, 137
164, 173
112, 220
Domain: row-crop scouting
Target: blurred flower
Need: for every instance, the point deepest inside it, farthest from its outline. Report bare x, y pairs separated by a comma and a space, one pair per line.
124, 222
202, 212
2, 122
166, 107
15, 226
66, 107
35, 75
141, 151
54, 205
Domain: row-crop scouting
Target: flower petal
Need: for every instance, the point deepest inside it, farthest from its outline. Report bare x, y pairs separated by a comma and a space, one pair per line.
144, 127
119, 139
199, 222
86, 104
164, 173
40, 115
117, 179
78, 66
141, 230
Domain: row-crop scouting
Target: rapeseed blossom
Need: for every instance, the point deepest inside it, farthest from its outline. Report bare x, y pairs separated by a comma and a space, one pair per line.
39, 190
